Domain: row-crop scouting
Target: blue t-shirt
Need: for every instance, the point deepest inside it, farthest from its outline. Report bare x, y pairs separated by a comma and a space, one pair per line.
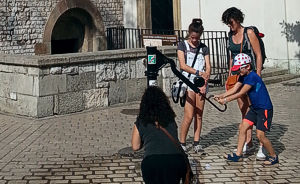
258, 94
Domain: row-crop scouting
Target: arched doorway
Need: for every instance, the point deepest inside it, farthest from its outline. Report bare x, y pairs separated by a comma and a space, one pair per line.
73, 26
72, 32
162, 15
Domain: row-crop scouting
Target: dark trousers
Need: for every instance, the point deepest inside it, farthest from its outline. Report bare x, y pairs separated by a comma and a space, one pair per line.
163, 169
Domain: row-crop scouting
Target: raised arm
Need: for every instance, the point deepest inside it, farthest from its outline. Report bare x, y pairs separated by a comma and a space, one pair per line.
229, 92
234, 96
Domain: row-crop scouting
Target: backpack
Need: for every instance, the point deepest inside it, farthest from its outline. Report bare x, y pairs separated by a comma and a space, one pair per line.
261, 43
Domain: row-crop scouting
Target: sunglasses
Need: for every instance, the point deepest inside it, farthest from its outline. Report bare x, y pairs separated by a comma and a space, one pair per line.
230, 22
241, 67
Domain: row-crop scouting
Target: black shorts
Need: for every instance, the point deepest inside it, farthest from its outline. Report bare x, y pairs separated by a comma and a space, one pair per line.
163, 169
261, 118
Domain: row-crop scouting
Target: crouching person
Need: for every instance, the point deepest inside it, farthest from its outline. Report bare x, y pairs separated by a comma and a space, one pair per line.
261, 109
163, 162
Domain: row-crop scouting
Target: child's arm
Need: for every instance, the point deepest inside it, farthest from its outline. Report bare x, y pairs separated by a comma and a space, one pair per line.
231, 91
230, 98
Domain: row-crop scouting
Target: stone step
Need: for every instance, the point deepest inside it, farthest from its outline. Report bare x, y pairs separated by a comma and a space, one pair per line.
270, 72
269, 75
279, 78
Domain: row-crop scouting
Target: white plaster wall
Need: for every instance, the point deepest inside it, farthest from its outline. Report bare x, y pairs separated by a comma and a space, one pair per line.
130, 13
292, 16
267, 17
189, 9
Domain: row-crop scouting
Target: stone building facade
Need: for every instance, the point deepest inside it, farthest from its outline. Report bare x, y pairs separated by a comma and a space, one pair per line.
30, 27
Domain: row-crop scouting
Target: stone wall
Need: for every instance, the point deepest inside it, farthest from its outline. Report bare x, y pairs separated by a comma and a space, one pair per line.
40, 86
22, 22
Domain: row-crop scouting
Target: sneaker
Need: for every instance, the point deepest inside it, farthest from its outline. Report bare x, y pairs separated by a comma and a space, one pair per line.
246, 149
183, 147
261, 154
198, 148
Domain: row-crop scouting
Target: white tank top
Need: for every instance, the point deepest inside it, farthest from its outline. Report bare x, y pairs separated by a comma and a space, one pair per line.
199, 63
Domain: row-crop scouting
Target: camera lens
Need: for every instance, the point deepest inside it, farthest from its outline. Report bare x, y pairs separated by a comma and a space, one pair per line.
199, 81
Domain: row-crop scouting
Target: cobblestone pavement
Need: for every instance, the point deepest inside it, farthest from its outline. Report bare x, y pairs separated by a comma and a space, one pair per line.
92, 147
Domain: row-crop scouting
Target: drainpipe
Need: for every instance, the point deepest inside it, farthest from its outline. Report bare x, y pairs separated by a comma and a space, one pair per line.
287, 43
200, 9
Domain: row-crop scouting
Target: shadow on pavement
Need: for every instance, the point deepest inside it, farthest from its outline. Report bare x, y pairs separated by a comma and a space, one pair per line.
217, 136
277, 131
128, 152
221, 135
292, 84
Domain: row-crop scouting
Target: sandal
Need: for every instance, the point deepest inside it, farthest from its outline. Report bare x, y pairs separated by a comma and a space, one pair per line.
233, 157
271, 160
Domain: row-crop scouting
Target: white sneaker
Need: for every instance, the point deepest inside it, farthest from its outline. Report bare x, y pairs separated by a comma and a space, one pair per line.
261, 153
246, 149
198, 148
184, 148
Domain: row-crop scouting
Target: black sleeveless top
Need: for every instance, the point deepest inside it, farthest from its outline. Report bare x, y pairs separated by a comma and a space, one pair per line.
236, 48
156, 142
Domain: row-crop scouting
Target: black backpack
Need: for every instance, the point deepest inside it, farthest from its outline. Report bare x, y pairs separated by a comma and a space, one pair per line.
261, 43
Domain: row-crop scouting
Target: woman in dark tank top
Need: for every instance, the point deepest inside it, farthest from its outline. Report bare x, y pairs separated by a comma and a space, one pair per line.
163, 162
234, 18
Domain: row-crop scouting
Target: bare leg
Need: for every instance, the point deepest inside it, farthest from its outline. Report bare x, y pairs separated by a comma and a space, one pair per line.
266, 142
198, 116
242, 137
188, 115
243, 104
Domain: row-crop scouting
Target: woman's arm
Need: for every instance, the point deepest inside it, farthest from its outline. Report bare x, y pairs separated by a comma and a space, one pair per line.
230, 64
206, 74
256, 49
182, 63
135, 139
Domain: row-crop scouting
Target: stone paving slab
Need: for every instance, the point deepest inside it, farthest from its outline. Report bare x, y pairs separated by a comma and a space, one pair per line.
86, 147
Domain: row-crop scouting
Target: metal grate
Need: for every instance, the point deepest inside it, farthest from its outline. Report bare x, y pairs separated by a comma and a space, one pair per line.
128, 38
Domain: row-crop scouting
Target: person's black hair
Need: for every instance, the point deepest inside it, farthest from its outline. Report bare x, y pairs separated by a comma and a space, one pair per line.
196, 26
155, 106
232, 13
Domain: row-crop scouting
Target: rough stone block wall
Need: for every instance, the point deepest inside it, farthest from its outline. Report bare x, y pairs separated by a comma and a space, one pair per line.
22, 22
19, 89
41, 86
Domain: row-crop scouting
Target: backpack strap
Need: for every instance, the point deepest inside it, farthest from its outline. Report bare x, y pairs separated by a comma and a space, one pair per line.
187, 46
247, 41
247, 38
229, 37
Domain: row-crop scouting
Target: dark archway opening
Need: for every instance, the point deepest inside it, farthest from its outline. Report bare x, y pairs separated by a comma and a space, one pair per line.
162, 16
72, 32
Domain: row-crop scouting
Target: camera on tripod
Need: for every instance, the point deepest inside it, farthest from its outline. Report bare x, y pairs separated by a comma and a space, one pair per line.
199, 81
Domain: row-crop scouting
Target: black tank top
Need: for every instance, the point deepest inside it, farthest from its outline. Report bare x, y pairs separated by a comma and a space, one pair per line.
236, 48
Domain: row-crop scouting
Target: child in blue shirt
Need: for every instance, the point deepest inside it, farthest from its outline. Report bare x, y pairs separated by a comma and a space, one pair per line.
261, 109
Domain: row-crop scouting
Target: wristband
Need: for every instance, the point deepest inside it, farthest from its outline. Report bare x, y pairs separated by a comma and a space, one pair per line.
197, 73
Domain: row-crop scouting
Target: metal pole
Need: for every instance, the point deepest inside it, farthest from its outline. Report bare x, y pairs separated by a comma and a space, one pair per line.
152, 70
